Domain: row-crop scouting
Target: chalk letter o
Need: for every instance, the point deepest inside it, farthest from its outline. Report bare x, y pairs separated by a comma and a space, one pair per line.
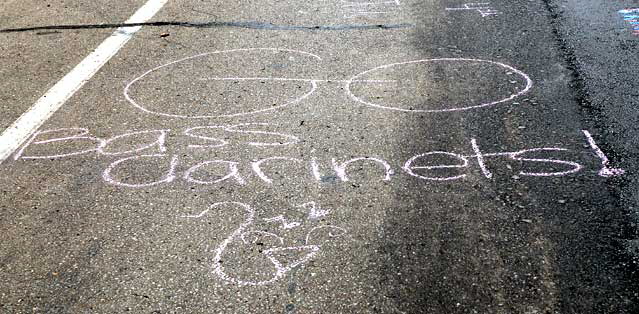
408, 166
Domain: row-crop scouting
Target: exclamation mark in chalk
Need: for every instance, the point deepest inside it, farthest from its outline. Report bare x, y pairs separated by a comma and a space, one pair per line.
605, 170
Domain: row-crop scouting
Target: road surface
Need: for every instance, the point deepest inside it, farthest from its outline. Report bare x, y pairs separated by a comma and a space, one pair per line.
328, 157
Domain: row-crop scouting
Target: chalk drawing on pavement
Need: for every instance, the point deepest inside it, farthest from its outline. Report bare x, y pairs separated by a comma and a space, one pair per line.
276, 253
191, 96
605, 170
369, 9
146, 159
482, 7
631, 16
439, 84
80, 142
450, 84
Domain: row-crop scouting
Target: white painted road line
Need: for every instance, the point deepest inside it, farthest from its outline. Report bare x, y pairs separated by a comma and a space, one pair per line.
54, 98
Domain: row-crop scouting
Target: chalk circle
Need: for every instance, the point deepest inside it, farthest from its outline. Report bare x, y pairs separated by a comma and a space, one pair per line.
227, 83
438, 85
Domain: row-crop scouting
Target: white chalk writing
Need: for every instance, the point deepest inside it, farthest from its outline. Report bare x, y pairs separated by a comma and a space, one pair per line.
354, 9
482, 7
146, 158
520, 82
605, 170
273, 254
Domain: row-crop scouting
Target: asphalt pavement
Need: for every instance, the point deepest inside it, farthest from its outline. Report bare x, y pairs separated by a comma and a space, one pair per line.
326, 157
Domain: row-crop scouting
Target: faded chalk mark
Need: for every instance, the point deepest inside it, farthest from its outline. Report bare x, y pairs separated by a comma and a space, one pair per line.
483, 8
631, 16
368, 9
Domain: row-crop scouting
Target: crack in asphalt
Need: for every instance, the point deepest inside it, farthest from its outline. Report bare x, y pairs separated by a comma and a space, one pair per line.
246, 25
578, 83
622, 254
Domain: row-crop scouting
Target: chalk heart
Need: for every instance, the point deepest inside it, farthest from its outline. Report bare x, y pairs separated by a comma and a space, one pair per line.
251, 256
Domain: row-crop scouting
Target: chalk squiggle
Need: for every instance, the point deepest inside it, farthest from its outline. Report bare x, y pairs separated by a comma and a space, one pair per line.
242, 232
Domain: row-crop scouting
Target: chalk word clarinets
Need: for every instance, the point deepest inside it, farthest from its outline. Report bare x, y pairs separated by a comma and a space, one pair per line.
142, 147
483, 8
247, 234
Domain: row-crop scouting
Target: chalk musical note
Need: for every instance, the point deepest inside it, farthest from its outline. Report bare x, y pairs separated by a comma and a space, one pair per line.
276, 255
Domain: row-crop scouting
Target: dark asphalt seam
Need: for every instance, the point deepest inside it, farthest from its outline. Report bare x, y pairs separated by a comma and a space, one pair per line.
246, 25
580, 91
623, 257
578, 84
291, 290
